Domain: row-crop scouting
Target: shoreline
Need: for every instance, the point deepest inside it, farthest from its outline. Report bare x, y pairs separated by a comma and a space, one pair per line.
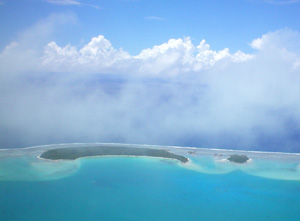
73, 153
209, 161
155, 146
131, 156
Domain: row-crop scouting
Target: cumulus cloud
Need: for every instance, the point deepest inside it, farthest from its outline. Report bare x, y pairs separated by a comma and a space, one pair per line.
98, 93
24, 53
97, 55
174, 57
284, 43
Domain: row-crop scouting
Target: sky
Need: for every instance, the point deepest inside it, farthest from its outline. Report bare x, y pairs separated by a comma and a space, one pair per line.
138, 24
215, 74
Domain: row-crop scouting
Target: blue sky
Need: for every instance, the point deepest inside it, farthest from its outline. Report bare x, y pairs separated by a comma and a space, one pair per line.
139, 24
218, 74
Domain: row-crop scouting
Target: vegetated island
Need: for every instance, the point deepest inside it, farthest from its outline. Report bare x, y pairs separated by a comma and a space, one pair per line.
238, 158
72, 153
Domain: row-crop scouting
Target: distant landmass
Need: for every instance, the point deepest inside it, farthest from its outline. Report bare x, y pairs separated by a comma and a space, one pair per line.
238, 158
72, 153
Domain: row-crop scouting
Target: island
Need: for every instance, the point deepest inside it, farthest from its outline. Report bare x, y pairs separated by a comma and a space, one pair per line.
72, 153
238, 158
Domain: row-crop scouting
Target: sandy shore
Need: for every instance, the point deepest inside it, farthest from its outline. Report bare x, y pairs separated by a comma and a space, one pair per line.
72, 153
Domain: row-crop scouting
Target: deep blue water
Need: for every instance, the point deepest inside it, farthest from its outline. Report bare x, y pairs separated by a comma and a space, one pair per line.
123, 188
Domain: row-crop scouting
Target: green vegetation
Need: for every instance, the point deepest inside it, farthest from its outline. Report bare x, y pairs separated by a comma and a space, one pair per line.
73, 153
238, 158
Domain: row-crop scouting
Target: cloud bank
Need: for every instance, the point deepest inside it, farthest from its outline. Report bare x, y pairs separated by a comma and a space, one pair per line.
175, 57
176, 93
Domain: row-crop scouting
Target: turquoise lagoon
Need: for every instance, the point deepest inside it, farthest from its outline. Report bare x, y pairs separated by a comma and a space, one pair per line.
208, 187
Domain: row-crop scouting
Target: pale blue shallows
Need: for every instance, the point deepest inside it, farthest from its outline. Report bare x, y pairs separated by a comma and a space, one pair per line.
127, 188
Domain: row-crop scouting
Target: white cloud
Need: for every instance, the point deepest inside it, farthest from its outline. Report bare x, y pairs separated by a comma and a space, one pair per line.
258, 42
283, 38
96, 56
64, 2
212, 99
172, 58
154, 18
27, 50
71, 2
283, 43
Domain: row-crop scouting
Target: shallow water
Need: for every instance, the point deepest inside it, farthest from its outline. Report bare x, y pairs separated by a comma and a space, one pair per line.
132, 188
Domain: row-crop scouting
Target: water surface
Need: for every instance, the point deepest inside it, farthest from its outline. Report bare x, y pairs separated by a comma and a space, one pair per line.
133, 188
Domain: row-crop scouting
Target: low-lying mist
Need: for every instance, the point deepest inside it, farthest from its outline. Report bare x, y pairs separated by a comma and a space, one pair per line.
248, 104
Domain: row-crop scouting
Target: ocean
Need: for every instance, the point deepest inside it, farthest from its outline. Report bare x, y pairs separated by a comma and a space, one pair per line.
141, 188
